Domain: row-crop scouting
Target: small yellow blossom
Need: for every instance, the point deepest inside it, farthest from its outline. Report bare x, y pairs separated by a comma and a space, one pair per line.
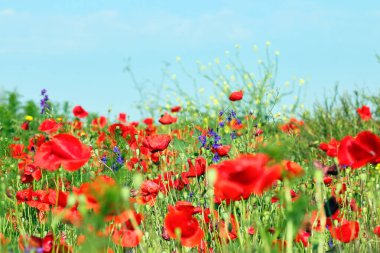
28, 118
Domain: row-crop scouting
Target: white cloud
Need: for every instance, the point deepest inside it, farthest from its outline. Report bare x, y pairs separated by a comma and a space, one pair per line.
7, 12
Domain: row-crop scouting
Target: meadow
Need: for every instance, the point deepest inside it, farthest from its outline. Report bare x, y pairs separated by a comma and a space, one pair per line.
238, 173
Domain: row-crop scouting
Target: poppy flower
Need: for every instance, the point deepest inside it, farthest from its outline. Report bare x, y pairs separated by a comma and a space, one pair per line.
157, 142
122, 118
148, 121
223, 150
62, 150
99, 122
25, 125
243, 176
128, 235
292, 169
17, 151
364, 113
191, 233
30, 173
346, 232
148, 192
49, 126
303, 237
330, 148
176, 109
376, 230
79, 112
198, 168
236, 95
167, 119
44, 245
293, 126
359, 151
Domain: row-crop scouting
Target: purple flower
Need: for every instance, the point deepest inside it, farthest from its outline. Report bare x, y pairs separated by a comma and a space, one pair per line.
233, 135
116, 150
120, 160
216, 158
221, 124
44, 101
203, 140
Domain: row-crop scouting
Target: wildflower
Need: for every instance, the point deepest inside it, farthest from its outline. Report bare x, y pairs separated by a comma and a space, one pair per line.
157, 143
364, 113
248, 174
222, 124
122, 118
28, 118
62, 150
346, 232
376, 231
182, 221
79, 112
203, 140
176, 109
167, 119
233, 135
330, 148
44, 101
357, 152
216, 158
236, 95
49, 126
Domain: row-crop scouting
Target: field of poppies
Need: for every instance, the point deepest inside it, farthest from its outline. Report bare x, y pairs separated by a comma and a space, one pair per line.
233, 176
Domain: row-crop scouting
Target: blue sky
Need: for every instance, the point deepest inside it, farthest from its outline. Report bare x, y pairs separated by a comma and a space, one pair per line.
77, 49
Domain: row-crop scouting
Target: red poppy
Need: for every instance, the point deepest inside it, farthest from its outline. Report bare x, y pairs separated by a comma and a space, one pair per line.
167, 119
79, 112
346, 232
157, 142
36, 141
176, 108
357, 152
148, 192
303, 237
17, 151
62, 150
330, 148
46, 243
191, 233
293, 126
148, 121
49, 126
198, 169
228, 230
128, 235
99, 122
187, 206
258, 132
236, 95
292, 169
122, 118
364, 113
243, 176
223, 150
25, 125
376, 230
29, 173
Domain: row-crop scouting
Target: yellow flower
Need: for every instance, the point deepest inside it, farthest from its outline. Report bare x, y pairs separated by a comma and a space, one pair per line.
28, 118
378, 167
